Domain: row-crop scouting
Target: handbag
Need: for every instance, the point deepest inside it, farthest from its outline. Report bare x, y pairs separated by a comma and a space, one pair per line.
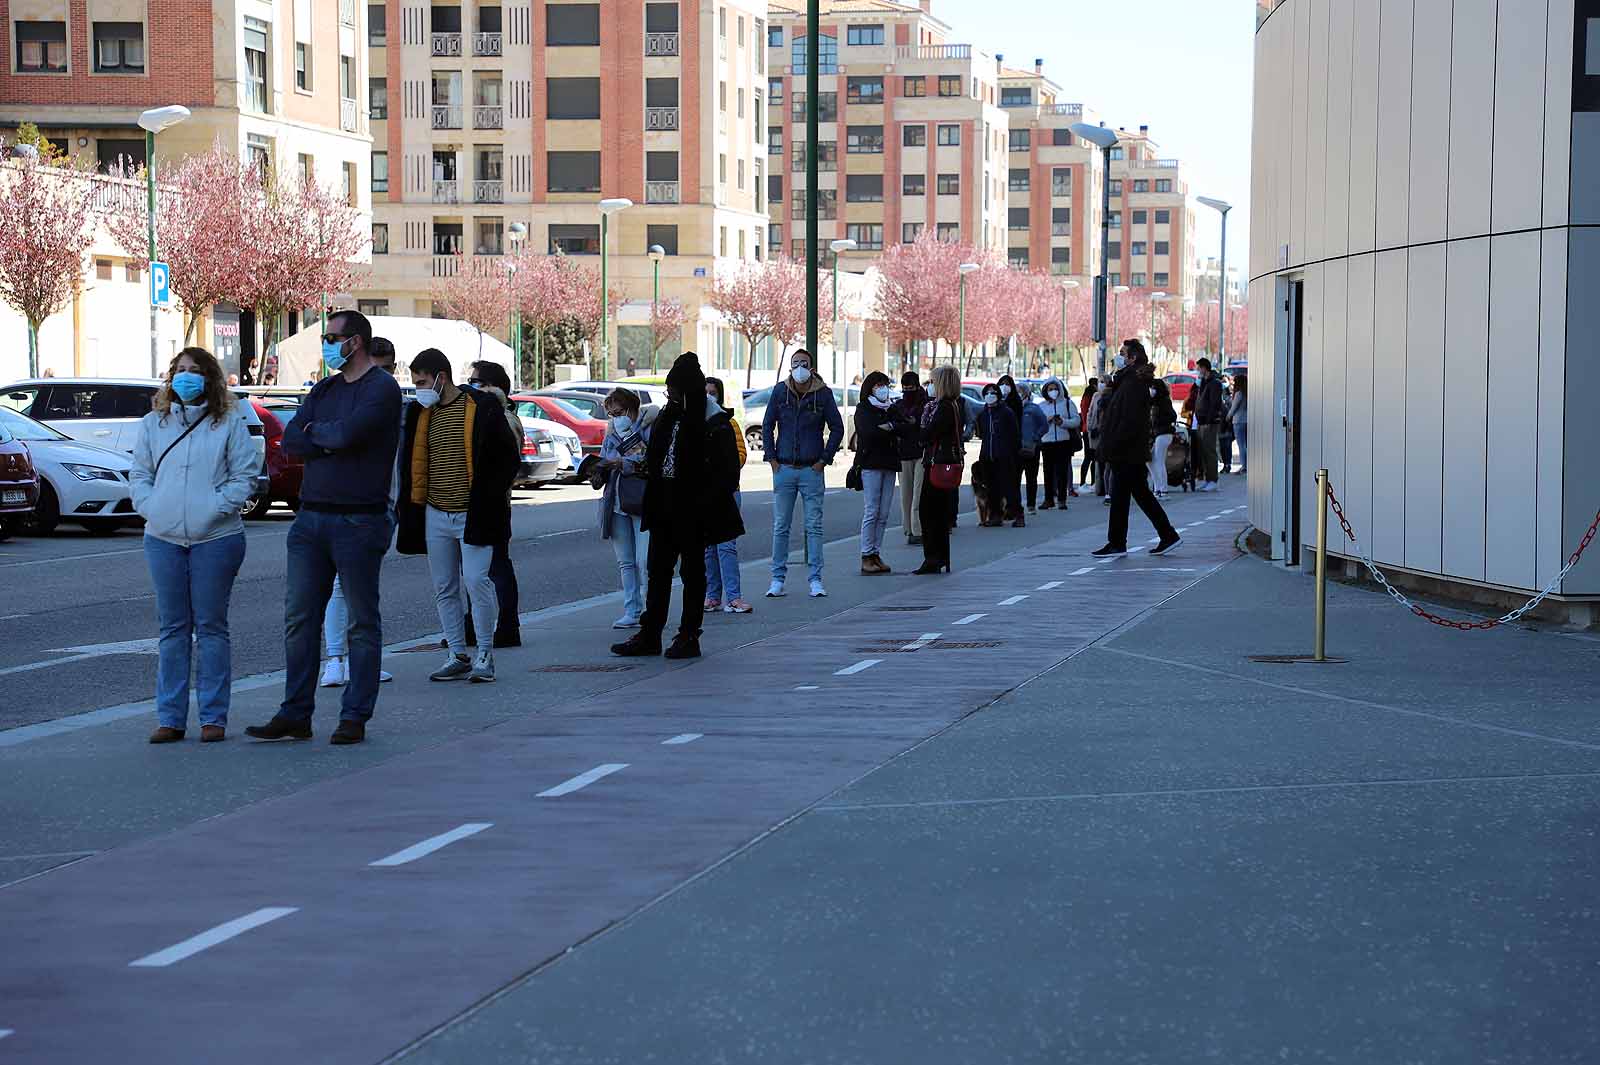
946, 476
630, 494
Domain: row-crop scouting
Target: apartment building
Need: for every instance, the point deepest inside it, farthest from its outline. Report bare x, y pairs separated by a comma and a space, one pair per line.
273, 80
1152, 222
484, 115
910, 137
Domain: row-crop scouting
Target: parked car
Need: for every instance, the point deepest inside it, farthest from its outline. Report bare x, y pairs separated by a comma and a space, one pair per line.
755, 411
648, 394
284, 471
567, 448
79, 482
540, 464
582, 412
1180, 384
19, 484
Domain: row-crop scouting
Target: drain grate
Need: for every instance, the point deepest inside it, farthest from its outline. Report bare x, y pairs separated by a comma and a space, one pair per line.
578, 667
960, 645
894, 647
417, 649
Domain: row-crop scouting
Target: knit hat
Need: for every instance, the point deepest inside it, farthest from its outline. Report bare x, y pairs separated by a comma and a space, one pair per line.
686, 377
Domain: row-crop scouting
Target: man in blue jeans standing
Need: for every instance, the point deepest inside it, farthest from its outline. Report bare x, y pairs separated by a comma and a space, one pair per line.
346, 431
791, 435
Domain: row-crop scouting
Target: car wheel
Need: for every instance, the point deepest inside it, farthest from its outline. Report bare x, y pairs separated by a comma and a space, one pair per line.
256, 507
47, 515
752, 439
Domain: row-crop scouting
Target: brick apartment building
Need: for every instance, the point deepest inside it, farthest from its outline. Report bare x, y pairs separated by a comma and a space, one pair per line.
1152, 224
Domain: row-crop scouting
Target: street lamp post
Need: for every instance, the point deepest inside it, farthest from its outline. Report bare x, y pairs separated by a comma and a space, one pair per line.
1222, 207
836, 247
963, 270
608, 207
1105, 140
1116, 312
1066, 288
152, 122
657, 253
517, 233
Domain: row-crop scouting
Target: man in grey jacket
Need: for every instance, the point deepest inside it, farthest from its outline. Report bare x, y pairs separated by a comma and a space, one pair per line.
1207, 419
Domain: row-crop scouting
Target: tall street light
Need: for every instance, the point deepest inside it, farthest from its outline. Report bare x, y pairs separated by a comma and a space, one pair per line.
152, 122
813, 56
657, 253
1066, 289
608, 208
836, 247
1105, 140
1223, 207
517, 233
1116, 317
963, 270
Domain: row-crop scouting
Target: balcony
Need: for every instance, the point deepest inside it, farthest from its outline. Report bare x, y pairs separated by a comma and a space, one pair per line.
660, 192
660, 118
347, 12
660, 44
934, 51
446, 191
488, 191
447, 44
487, 117
446, 116
446, 265
347, 115
485, 44
1063, 109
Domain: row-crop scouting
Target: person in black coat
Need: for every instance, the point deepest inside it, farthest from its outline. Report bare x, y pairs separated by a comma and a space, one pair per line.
879, 430
692, 470
1001, 432
943, 430
1012, 397
913, 397
1125, 445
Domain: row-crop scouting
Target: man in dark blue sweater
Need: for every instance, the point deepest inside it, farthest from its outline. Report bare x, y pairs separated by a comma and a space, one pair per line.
346, 431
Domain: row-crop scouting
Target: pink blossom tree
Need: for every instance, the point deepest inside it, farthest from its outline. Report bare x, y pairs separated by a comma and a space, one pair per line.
761, 300
666, 325
45, 232
582, 285
918, 290
478, 293
1238, 331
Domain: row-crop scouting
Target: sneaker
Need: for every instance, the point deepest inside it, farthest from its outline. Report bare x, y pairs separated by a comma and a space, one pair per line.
336, 673
1166, 545
482, 668
1208, 486
818, 591
348, 732
683, 647
280, 728
455, 668
712, 604
1238, 471
637, 646
1109, 550
738, 606
776, 590
1048, 504
384, 676
626, 621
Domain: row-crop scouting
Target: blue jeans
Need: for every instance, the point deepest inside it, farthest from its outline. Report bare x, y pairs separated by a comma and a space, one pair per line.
322, 546
193, 585
1241, 436
722, 567
787, 483
877, 502
632, 548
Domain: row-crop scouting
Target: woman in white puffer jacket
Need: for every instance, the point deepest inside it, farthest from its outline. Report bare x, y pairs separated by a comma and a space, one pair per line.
193, 469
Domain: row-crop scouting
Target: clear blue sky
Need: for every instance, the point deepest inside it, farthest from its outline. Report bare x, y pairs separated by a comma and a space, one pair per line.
1180, 66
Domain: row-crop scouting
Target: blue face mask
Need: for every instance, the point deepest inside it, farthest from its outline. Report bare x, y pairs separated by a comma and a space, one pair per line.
187, 385
333, 354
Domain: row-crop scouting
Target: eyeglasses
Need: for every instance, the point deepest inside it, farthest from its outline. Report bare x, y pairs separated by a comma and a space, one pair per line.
336, 338
477, 382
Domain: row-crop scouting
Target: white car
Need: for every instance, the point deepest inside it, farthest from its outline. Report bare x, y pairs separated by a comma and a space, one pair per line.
568, 448
78, 482
648, 394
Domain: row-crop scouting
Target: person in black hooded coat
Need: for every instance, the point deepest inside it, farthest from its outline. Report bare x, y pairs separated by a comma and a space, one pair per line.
692, 468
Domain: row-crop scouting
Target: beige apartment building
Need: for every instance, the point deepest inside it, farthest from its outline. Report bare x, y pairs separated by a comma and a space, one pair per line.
485, 115
1152, 223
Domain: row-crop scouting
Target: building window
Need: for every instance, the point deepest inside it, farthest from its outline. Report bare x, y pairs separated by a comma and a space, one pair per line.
913, 184
914, 136
380, 171
666, 236
372, 308
949, 135
759, 186
1163, 216
131, 272
774, 36
377, 25
774, 140
1061, 181
867, 235
863, 140
575, 239
1137, 247
909, 232
1021, 140
258, 150
308, 169
1115, 220
1163, 184
864, 90
378, 97
827, 156
1061, 137
118, 48
1116, 186
1163, 248
739, 111
864, 34
915, 85
661, 166
1060, 221
1061, 256
1139, 217
775, 90
102, 269
1019, 179
863, 188
302, 66
41, 47
1113, 249
722, 96
947, 231
1017, 257
1117, 153
1141, 185
722, 168
739, 174
827, 203
827, 106
774, 188
572, 98
949, 84
572, 25
255, 64
1139, 280
1016, 97
447, 238
1161, 280
1114, 277
949, 185
827, 55
1016, 218
573, 171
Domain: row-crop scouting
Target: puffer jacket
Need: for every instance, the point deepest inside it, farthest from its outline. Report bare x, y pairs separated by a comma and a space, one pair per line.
203, 483
1034, 424
1062, 408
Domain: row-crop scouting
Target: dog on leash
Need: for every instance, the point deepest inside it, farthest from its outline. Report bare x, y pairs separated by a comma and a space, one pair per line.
980, 493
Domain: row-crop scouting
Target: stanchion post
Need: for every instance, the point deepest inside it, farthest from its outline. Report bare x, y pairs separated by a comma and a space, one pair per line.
1320, 651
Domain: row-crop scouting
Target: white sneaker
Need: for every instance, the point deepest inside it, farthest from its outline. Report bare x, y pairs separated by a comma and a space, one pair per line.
336, 674
626, 621
482, 668
775, 590
817, 590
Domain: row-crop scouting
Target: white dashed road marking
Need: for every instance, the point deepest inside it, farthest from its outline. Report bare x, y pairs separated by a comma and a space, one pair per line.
211, 937
1081, 572
1135, 550
865, 663
970, 618
583, 780
5, 1032
806, 687
1047, 586
922, 641
1012, 601
433, 843
682, 738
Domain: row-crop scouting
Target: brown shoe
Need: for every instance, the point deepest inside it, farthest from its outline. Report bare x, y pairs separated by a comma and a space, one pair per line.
867, 568
212, 733
883, 567
166, 735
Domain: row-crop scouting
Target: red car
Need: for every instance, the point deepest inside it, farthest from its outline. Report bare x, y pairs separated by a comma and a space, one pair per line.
284, 471
591, 431
19, 484
1180, 384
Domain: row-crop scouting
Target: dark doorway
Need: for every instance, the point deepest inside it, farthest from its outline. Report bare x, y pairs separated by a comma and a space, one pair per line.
1292, 432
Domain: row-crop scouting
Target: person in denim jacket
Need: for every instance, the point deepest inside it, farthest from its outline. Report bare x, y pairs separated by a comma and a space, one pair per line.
791, 437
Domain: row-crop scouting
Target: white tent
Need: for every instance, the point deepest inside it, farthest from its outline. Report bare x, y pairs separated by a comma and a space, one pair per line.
300, 356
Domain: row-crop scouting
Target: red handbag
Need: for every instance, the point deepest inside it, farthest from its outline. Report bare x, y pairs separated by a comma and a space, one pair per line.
946, 476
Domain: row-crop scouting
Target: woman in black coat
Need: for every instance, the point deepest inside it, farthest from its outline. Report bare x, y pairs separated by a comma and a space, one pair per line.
1001, 433
943, 426
879, 429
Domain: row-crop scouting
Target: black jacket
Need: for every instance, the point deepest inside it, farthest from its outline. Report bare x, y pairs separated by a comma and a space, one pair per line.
878, 448
909, 407
496, 455
1163, 419
1208, 401
1000, 432
1125, 420
943, 432
696, 504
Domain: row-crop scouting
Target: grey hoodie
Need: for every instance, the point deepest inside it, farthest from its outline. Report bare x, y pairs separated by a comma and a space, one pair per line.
1063, 408
203, 482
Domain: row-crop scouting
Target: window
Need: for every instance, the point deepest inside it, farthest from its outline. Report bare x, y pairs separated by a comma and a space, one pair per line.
1116, 153
1116, 186
255, 64
774, 36
827, 156
1163, 184
1019, 179
1020, 140
1061, 137
722, 168
774, 140
1016, 218
1113, 249
447, 238
445, 18
491, 236
259, 151
827, 107
1139, 280
739, 174
573, 98
722, 96
378, 97
1163, 216
915, 85
575, 239
666, 236
1060, 256
1161, 280
913, 184
741, 31
377, 25
909, 232
127, 155
740, 109
947, 231
864, 90
827, 55
1140, 216
347, 77
1061, 181
571, 25
308, 168
41, 47
574, 171
775, 90
863, 140
1060, 221
949, 84
864, 34
1163, 248
658, 92
118, 48
1115, 220
863, 188
131, 272
1114, 277
372, 307
661, 166
949, 135
102, 269
1017, 256
1141, 185
914, 136
867, 235
302, 66
380, 171
759, 186
1016, 97
949, 185
774, 188
1138, 247
827, 203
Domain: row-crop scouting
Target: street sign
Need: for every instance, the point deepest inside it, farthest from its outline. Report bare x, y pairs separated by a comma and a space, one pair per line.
699, 271
160, 285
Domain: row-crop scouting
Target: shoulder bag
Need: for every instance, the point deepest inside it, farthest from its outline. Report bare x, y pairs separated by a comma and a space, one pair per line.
192, 427
946, 476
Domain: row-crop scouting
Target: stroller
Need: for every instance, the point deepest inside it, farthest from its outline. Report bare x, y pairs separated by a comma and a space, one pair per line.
1181, 456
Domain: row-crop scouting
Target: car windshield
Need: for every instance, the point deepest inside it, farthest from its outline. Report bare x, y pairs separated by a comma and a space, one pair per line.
5, 434
25, 428
530, 409
566, 408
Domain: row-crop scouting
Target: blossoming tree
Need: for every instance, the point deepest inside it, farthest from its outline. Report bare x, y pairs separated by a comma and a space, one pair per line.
45, 232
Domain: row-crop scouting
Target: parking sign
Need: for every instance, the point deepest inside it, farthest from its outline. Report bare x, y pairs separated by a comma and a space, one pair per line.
160, 285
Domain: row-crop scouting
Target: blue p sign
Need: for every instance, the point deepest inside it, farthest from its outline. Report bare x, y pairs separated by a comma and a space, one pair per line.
160, 285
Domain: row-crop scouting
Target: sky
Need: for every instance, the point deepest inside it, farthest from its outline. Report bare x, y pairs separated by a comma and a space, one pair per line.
1180, 66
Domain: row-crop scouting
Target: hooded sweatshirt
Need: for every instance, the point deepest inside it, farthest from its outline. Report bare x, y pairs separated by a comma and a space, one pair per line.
791, 432
203, 483
1062, 408
1034, 423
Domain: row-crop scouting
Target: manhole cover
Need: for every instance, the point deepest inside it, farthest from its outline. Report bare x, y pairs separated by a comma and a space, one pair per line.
580, 668
418, 649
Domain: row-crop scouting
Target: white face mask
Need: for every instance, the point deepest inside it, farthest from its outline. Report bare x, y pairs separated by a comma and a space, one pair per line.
427, 396
622, 424
990, 399
1050, 394
1005, 390
801, 374
1119, 362
880, 393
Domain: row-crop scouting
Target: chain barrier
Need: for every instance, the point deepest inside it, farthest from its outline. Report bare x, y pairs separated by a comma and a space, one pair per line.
1451, 623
